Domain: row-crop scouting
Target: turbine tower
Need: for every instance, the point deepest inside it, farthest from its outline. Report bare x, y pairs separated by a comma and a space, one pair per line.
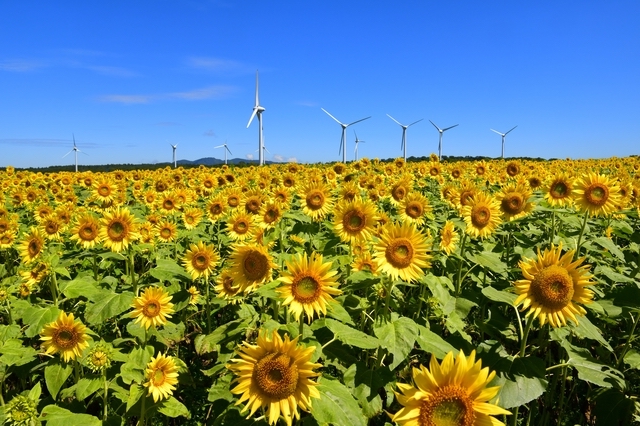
357, 142
226, 149
343, 139
174, 154
257, 110
76, 151
503, 137
404, 134
441, 131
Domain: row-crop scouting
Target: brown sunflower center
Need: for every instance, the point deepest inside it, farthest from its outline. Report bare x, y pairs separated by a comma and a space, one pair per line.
200, 261
305, 289
553, 287
480, 170
315, 200
117, 230
354, 221
65, 337
480, 216
465, 197
399, 252
513, 169
51, 228
276, 375
414, 209
559, 189
166, 233
434, 171
398, 193
104, 190
168, 204
448, 406
215, 209
241, 226
151, 309
233, 201
512, 203
158, 377
189, 219
596, 194
227, 285
256, 265
288, 182
271, 215
455, 173
34, 247
252, 205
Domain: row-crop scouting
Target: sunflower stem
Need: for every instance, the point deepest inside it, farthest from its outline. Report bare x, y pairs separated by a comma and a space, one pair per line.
207, 306
552, 234
54, 288
76, 371
629, 339
301, 327
132, 272
563, 382
525, 335
459, 280
142, 410
105, 399
8, 308
95, 266
584, 224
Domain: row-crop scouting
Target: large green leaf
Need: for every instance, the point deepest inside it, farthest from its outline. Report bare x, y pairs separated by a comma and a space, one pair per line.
490, 261
58, 416
207, 343
609, 245
108, 306
171, 407
397, 336
366, 383
432, 343
499, 295
336, 405
13, 353
87, 386
55, 374
592, 371
586, 329
522, 381
351, 336
9, 332
37, 318
84, 286
167, 270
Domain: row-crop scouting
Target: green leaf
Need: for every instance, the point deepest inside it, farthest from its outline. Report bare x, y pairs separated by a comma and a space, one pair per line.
499, 295
336, 405
337, 311
632, 357
37, 318
84, 286
491, 261
613, 407
135, 393
108, 306
167, 270
609, 245
133, 370
35, 392
57, 416
612, 275
397, 336
171, 407
221, 389
585, 329
55, 374
205, 344
432, 343
87, 386
171, 334
9, 332
13, 353
351, 336
366, 384
521, 379
592, 371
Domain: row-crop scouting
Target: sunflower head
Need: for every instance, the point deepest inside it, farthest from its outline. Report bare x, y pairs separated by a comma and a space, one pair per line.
402, 252
598, 195
22, 410
252, 266
152, 307
99, 357
66, 336
482, 215
162, 376
200, 259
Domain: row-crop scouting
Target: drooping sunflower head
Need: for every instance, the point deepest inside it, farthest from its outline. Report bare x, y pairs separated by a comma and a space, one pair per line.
200, 259
35, 273
275, 374
152, 307
402, 252
252, 266
118, 229
449, 238
597, 194
225, 287
482, 215
65, 335
162, 376
355, 220
553, 285
308, 285
32, 245
452, 393
514, 201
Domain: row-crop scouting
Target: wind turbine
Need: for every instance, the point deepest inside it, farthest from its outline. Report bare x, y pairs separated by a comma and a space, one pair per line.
257, 110
404, 134
503, 137
441, 131
343, 140
226, 149
357, 142
174, 154
76, 150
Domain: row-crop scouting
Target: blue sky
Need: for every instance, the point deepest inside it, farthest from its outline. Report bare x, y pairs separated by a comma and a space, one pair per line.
130, 78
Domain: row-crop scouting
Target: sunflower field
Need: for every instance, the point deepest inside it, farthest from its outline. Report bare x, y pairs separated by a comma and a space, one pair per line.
368, 293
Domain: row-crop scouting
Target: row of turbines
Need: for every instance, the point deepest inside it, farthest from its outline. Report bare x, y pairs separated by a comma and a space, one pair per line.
259, 109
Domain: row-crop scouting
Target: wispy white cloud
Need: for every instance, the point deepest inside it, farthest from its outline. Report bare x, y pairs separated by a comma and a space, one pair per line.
249, 156
292, 160
211, 92
278, 157
110, 71
308, 104
41, 142
209, 133
216, 64
21, 65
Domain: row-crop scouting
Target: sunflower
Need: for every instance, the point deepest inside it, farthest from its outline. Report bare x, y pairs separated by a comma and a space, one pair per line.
32, 245
402, 252
147, 233
282, 194
559, 191
191, 217
166, 231
252, 266
452, 393
241, 225
233, 197
317, 202
275, 374
65, 335
104, 190
194, 295
200, 259
225, 288
35, 274
118, 229
512, 168
552, 286
7, 239
364, 262
399, 189
152, 307
270, 214
448, 238
355, 221
86, 231
482, 215
514, 201
99, 356
308, 285
414, 208
162, 376
216, 208
252, 201
597, 194
169, 203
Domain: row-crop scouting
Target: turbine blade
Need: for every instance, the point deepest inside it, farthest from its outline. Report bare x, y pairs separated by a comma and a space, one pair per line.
510, 130
257, 94
255, 111
67, 153
362, 119
228, 150
400, 124
341, 142
496, 132
415, 122
74, 139
450, 127
219, 146
332, 116
434, 125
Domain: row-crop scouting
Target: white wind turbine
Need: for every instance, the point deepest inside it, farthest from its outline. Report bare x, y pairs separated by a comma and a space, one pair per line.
503, 137
175, 164
404, 134
441, 131
257, 110
226, 149
357, 142
343, 139
76, 150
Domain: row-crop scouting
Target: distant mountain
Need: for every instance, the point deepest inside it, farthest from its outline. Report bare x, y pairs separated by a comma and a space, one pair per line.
212, 161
